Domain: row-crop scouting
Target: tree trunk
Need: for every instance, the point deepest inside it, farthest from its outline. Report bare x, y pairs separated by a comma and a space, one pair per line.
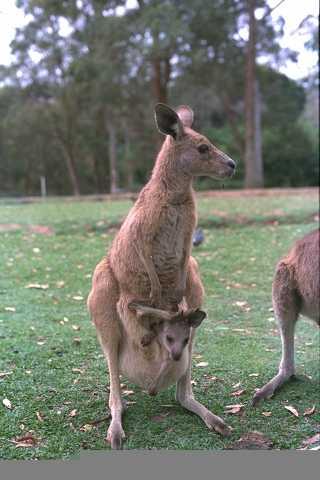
161, 76
253, 156
70, 163
112, 157
127, 157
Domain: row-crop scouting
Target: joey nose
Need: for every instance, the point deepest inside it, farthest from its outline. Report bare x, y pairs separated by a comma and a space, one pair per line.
176, 356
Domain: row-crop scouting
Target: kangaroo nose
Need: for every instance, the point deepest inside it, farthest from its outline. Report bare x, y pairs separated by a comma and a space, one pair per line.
231, 164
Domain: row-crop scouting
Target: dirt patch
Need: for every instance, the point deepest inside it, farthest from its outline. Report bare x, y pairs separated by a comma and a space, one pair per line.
38, 229
9, 227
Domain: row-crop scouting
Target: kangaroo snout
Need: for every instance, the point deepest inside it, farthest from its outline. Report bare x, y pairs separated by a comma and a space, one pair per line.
231, 164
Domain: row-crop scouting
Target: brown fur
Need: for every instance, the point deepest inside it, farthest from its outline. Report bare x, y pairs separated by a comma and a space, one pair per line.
149, 261
295, 291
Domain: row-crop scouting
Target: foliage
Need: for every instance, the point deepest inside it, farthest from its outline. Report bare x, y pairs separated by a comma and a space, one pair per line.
87, 74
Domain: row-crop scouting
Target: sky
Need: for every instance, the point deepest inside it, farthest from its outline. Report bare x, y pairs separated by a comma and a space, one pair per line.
293, 11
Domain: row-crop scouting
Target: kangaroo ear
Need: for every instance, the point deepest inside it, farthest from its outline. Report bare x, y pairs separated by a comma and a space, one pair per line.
195, 318
185, 114
168, 121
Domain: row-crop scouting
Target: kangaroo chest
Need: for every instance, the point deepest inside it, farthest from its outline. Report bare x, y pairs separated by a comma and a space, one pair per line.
172, 239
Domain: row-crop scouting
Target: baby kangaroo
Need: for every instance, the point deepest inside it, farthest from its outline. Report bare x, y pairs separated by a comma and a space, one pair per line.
171, 329
295, 291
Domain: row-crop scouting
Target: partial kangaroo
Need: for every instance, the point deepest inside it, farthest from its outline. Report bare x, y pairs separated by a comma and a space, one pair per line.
149, 263
295, 291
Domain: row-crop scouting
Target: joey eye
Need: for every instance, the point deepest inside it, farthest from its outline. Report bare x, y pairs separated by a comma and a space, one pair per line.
169, 339
186, 341
203, 148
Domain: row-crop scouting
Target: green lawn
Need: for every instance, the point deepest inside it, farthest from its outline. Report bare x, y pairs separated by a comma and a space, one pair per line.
56, 376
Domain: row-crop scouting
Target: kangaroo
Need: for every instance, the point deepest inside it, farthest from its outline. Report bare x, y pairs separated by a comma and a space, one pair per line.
295, 291
172, 330
149, 262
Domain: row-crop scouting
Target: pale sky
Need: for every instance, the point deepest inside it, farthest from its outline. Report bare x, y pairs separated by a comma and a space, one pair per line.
293, 11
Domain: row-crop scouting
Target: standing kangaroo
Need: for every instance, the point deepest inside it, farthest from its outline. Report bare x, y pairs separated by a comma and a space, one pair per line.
149, 261
295, 291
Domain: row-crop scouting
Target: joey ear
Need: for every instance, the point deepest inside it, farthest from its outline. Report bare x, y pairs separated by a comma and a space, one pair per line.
146, 311
195, 318
186, 115
168, 121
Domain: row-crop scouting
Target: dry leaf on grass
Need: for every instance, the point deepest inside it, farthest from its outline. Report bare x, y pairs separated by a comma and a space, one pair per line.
86, 428
43, 286
26, 441
237, 393
6, 402
39, 417
311, 440
252, 441
236, 409
161, 417
5, 374
73, 413
127, 392
309, 411
77, 297
292, 410
77, 370
202, 364
10, 309
266, 414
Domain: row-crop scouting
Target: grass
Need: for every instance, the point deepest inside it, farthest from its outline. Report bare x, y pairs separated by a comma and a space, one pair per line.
49, 345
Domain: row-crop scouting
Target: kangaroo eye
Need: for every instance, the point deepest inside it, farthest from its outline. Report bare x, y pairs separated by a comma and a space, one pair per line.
203, 148
186, 341
169, 339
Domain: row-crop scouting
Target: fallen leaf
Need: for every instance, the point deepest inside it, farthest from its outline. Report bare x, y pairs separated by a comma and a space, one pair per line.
252, 441
40, 286
10, 309
41, 343
77, 370
236, 409
292, 410
266, 414
161, 417
73, 413
77, 340
237, 393
127, 392
311, 440
7, 403
60, 283
86, 428
5, 374
39, 417
253, 374
77, 297
309, 411
27, 440
202, 364
76, 327
236, 385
